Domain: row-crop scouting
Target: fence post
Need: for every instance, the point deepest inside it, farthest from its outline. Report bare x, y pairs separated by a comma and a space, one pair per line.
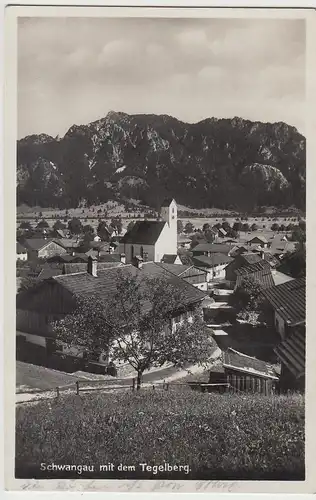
57, 390
77, 387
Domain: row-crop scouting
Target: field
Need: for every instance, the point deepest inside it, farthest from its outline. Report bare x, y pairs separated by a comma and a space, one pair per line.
214, 436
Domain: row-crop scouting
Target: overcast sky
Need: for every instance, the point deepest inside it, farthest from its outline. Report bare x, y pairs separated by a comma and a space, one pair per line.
75, 70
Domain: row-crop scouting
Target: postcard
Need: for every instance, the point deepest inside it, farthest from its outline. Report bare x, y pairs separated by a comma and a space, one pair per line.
155, 273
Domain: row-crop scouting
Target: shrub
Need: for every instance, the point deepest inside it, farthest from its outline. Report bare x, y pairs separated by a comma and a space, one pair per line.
219, 436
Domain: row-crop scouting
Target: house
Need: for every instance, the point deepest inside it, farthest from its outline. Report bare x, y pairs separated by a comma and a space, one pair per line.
81, 268
258, 271
54, 298
292, 353
287, 302
209, 248
74, 257
241, 260
222, 233
70, 244
244, 373
214, 265
258, 240
60, 233
21, 252
151, 240
193, 275
171, 259
41, 248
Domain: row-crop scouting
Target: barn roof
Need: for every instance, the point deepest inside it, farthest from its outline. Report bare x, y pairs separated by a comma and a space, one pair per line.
288, 300
144, 232
259, 271
104, 284
292, 352
238, 361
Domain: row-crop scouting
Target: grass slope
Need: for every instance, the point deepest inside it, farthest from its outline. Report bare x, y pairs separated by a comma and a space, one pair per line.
217, 436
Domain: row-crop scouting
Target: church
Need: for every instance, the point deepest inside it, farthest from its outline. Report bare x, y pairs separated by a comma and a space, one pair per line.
152, 240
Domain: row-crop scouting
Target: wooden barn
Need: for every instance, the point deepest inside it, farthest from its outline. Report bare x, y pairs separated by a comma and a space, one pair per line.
244, 373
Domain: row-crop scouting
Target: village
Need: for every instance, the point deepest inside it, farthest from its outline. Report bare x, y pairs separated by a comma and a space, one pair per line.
240, 276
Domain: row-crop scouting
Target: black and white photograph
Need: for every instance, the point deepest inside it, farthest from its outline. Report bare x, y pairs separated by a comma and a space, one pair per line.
160, 247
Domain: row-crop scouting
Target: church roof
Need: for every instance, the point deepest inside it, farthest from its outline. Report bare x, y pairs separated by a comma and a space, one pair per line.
144, 232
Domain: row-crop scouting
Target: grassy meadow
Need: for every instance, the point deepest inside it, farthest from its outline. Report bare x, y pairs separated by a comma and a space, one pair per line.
218, 436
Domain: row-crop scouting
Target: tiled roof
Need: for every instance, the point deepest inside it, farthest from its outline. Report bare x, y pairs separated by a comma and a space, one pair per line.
251, 268
238, 361
292, 352
104, 284
144, 232
261, 238
82, 267
49, 272
67, 242
212, 247
288, 300
250, 258
20, 248
169, 258
216, 259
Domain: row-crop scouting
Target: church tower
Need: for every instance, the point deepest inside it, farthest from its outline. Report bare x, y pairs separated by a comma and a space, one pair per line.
169, 214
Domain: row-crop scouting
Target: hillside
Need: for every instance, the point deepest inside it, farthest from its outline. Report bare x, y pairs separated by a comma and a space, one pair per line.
215, 436
224, 163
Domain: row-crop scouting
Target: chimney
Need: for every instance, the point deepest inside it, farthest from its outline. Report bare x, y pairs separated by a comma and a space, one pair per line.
123, 258
262, 255
92, 266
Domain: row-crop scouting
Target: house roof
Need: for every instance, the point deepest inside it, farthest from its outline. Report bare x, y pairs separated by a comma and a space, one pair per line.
169, 258
67, 242
260, 238
259, 271
216, 259
238, 361
177, 269
20, 248
144, 232
250, 258
81, 267
288, 300
48, 272
212, 247
292, 352
104, 284
39, 243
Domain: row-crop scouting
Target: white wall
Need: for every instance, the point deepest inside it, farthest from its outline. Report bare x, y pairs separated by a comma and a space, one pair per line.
21, 256
166, 243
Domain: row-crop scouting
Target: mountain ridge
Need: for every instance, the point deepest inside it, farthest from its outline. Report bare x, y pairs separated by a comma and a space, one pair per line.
228, 163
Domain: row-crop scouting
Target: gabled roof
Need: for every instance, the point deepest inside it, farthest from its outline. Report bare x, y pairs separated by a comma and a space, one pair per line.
39, 243
104, 284
216, 259
177, 269
288, 300
144, 232
259, 271
67, 242
212, 247
169, 258
280, 278
20, 248
260, 238
238, 361
292, 352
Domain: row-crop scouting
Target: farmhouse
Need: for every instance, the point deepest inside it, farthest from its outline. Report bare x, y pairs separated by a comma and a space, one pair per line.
242, 260
21, 252
258, 240
258, 271
151, 240
54, 298
214, 265
287, 302
43, 248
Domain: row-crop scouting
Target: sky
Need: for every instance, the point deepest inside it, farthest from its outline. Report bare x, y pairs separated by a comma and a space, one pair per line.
76, 70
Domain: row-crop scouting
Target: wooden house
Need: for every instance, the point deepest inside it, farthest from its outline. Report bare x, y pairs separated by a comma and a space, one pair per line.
288, 304
42, 248
214, 265
191, 274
